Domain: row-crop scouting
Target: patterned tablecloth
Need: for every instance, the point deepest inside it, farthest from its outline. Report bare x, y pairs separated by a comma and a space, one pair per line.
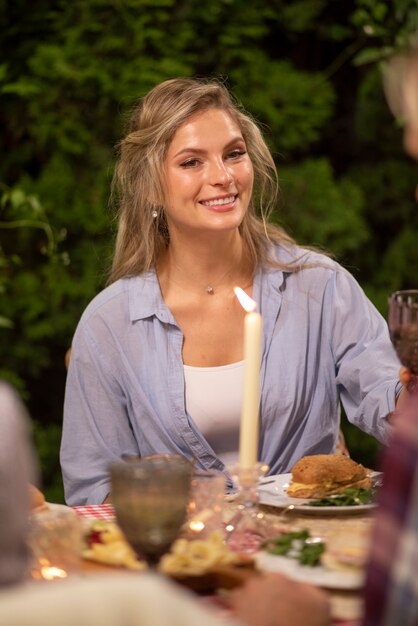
104, 512
346, 605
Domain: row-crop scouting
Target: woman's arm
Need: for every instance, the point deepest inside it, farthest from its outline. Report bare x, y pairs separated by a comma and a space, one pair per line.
96, 428
367, 368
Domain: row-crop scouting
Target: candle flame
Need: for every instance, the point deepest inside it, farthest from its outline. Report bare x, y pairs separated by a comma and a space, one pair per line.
245, 301
197, 526
46, 571
50, 573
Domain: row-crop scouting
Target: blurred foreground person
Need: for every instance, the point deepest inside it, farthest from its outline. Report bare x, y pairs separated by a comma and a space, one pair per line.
392, 578
17, 471
150, 600
275, 600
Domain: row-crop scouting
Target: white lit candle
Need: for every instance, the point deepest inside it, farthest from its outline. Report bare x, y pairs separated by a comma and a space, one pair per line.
253, 328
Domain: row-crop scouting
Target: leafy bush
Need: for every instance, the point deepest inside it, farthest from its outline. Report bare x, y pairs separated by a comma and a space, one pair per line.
70, 71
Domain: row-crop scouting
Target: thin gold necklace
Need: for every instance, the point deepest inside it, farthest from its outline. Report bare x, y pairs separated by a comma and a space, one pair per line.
210, 287
210, 290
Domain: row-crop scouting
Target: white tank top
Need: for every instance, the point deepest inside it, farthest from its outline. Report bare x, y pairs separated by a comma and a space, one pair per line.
213, 400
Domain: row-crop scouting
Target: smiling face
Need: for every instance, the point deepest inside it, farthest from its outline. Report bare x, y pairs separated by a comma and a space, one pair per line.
208, 175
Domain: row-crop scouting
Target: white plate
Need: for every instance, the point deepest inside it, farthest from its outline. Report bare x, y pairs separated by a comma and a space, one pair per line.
319, 575
274, 494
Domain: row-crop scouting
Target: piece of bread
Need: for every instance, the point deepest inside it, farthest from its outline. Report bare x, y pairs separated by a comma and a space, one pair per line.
347, 550
321, 475
37, 499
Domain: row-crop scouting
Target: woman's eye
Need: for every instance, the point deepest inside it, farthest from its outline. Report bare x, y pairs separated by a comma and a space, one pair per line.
236, 153
189, 163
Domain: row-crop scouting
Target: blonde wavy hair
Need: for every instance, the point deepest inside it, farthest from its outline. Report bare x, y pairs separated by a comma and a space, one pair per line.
400, 82
138, 185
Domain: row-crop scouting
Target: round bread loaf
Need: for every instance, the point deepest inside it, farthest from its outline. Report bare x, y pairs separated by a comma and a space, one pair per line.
320, 468
321, 475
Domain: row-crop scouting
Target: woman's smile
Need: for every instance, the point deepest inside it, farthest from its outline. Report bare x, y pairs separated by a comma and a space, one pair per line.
220, 204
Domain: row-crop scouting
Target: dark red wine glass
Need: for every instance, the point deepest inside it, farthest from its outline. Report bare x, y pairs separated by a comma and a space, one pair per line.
403, 328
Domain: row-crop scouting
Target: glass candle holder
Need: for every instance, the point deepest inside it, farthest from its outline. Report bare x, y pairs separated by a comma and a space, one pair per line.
248, 527
206, 504
55, 540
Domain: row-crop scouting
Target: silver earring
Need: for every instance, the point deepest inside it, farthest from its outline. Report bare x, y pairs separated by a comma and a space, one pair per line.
154, 214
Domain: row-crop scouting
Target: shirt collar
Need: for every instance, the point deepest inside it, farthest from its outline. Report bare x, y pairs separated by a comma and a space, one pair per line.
145, 299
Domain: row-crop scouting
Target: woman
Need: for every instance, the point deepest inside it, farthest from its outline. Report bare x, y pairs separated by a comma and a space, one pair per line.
156, 363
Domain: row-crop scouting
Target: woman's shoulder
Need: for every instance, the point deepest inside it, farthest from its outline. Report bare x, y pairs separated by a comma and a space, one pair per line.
295, 258
311, 270
116, 297
107, 296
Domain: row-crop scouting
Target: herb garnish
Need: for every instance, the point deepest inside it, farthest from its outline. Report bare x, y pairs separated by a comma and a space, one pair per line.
350, 497
294, 545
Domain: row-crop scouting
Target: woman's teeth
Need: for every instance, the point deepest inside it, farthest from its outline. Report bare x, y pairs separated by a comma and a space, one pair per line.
219, 201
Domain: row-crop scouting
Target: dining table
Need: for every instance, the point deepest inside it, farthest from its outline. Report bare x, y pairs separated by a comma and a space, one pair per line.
346, 603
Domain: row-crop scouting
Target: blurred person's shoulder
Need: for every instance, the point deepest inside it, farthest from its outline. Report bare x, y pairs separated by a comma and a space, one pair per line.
10, 404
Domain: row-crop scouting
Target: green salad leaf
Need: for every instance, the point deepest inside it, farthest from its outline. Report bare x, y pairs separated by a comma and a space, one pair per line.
294, 545
350, 497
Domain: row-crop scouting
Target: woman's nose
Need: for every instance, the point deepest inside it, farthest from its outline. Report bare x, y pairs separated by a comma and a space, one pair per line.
220, 173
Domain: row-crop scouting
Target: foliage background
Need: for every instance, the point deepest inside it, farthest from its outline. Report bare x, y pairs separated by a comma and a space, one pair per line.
308, 70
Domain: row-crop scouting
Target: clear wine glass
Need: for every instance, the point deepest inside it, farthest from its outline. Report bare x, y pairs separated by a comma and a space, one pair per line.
403, 327
150, 496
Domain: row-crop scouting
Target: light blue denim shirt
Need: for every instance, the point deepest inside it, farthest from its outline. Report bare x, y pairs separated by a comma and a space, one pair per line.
323, 342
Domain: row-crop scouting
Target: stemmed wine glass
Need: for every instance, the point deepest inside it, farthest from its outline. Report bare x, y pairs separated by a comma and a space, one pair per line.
403, 327
150, 496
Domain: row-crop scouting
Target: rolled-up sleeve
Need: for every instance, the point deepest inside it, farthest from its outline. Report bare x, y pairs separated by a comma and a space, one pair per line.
367, 369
